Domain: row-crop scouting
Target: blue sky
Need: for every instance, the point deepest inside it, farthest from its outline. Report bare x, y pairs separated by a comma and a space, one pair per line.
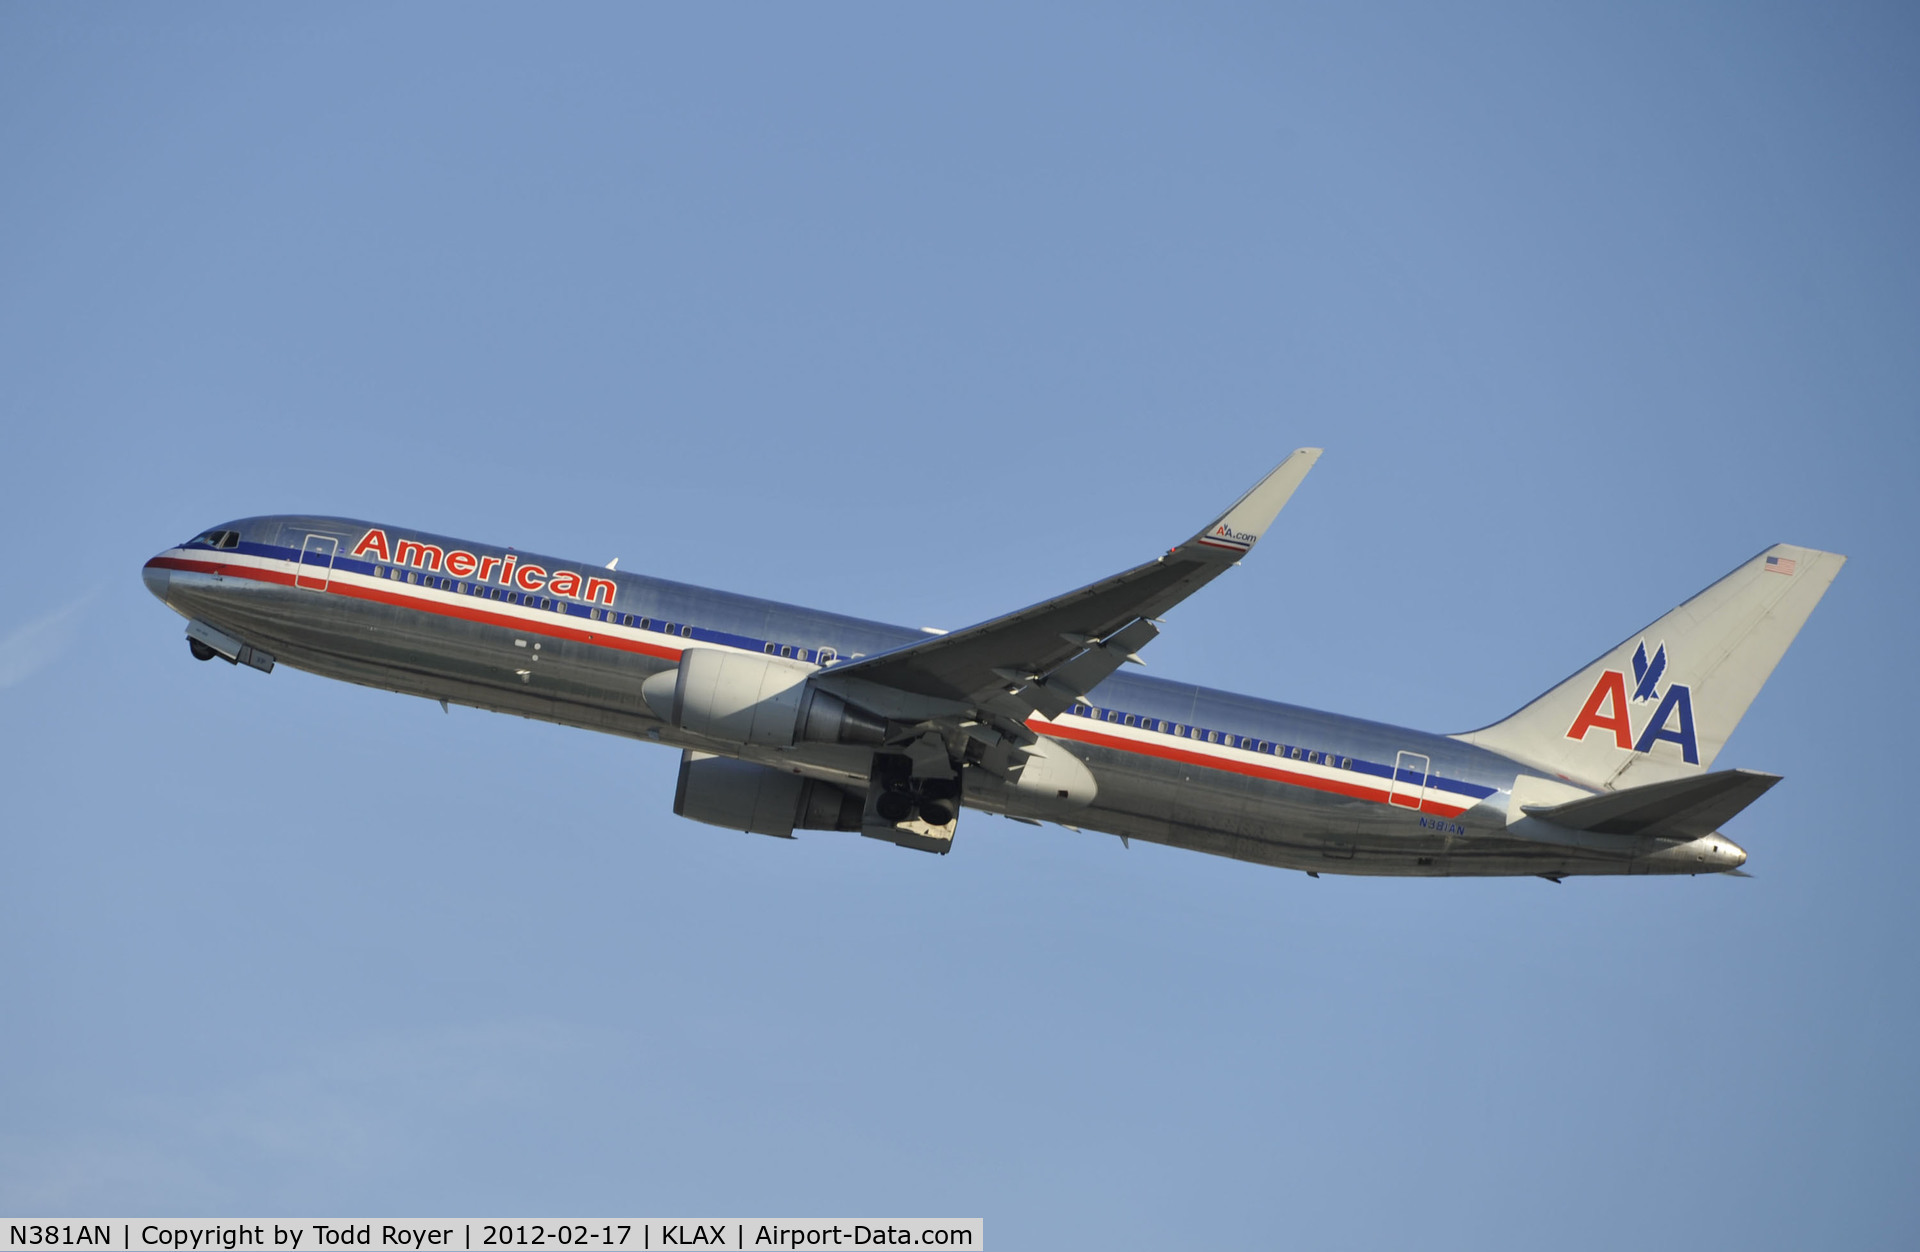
924, 314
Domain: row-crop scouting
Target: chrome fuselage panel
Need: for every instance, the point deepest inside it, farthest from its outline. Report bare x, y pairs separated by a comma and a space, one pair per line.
1308, 790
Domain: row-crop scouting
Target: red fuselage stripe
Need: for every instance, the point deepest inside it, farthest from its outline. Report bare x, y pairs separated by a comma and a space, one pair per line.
463, 612
1053, 730
1186, 756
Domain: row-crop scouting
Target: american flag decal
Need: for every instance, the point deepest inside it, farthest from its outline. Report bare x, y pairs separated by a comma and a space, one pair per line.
1779, 565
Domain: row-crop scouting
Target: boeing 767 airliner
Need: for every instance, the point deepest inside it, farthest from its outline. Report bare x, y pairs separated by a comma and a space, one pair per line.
795, 719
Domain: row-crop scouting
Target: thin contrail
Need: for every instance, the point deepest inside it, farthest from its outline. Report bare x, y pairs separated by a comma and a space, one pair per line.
28, 649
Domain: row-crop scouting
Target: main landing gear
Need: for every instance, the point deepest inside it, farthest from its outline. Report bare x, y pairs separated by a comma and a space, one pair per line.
913, 797
902, 795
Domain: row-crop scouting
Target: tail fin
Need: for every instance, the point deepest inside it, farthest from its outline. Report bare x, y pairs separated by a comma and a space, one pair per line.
1662, 704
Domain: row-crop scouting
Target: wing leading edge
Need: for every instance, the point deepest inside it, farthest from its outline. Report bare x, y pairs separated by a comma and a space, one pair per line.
1045, 656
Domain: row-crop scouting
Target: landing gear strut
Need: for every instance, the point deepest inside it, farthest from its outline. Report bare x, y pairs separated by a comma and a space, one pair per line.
912, 810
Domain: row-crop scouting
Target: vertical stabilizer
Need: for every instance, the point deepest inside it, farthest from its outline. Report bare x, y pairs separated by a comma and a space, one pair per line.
1662, 703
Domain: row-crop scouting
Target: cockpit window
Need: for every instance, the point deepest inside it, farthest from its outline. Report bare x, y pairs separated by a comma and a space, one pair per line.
218, 539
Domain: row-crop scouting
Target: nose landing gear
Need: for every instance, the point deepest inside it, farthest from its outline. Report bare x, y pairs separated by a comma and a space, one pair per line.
206, 643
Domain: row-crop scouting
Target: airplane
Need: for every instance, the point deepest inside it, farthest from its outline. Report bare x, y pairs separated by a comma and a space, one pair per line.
791, 719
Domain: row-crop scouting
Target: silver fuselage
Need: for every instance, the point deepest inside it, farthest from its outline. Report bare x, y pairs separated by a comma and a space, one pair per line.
1175, 763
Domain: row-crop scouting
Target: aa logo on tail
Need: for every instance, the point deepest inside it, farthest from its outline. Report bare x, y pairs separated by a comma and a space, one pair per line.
1608, 708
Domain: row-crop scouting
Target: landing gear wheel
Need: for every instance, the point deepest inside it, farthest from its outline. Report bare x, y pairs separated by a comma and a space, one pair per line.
936, 812
201, 652
894, 807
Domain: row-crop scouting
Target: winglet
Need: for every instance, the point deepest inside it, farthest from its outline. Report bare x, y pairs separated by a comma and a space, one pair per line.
1236, 531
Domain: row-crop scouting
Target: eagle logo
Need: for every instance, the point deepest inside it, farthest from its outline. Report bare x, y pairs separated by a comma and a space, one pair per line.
1646, 674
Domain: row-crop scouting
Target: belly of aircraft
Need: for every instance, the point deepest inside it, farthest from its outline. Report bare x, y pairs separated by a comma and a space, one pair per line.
1271, 823
1139, 797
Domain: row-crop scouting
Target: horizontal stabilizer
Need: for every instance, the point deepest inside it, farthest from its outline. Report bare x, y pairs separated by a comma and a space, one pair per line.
1684, 808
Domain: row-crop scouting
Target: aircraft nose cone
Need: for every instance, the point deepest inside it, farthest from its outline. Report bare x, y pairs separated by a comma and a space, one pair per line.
157, 580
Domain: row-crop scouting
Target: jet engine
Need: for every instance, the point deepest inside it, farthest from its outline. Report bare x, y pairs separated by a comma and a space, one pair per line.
765, 701
741, 795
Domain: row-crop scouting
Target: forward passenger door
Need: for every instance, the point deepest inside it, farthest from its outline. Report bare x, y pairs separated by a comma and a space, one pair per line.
316, 562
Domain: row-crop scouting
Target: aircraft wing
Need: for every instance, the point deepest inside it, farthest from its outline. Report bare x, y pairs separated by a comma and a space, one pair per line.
1045, 656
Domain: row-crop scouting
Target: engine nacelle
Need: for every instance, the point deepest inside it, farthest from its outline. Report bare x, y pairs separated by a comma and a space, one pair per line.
765, 701
741, 795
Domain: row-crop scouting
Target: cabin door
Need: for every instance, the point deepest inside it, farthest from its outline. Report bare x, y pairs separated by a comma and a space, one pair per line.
1409, 786
316, 562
